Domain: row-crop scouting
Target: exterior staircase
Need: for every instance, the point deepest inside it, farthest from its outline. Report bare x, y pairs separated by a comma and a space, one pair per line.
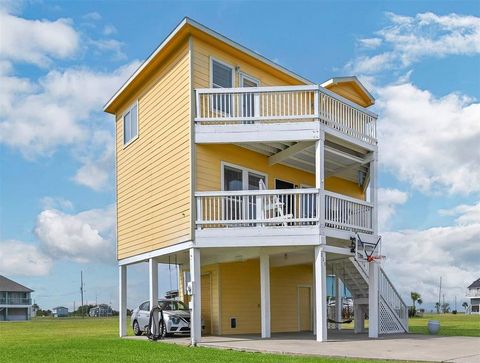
392, 310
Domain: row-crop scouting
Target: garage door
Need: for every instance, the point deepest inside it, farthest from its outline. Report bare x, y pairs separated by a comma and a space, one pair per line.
207, 303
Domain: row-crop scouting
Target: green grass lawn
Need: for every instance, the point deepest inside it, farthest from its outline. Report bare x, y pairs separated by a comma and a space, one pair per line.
450, 324
96, 340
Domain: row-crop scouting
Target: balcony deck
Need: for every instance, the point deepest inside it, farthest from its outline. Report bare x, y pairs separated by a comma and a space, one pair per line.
282, 113
290, 213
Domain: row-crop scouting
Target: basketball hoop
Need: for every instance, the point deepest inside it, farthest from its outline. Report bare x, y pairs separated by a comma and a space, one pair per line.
373, 258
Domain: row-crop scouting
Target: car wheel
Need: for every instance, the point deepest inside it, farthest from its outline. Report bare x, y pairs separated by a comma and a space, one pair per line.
136, 328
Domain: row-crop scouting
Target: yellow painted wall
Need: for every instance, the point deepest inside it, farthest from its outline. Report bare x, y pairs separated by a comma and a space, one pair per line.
213, 272
201, 53
240, 296
210, 157
153, 180
350, 92
284, 282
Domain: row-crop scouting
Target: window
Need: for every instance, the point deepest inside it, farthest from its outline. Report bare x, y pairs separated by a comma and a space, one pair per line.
237, 178
145, 306
249, 100
130, 124
222, 77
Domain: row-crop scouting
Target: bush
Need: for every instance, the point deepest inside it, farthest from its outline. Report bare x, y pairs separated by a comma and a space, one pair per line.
454, 311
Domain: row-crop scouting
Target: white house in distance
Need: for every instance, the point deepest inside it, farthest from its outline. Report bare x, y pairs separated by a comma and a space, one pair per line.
474, 295
60, 312
15, 301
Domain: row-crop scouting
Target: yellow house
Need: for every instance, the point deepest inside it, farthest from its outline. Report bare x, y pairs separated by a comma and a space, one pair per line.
257, 182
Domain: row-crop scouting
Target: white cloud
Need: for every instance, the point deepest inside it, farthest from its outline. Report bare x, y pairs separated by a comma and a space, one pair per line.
109, 45
466, 214
370, 42
92, 16
416, 259
20, 258
38, 117
407, 40
388, 201
109, 30
36, 41
82, 237
430, 142
56, 203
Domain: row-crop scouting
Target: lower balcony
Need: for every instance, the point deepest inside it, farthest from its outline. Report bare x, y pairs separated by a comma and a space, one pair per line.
281, 214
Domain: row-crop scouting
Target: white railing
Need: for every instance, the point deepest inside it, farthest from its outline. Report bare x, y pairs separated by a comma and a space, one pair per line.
473, 293
247, 105
288, 207
342, 212
393, 299
251, 208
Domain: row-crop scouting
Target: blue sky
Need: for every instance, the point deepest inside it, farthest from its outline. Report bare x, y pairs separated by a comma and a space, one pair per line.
60, 62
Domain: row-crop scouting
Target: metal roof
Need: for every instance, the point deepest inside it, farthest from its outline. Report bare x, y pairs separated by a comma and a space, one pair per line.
475, 284
12, 286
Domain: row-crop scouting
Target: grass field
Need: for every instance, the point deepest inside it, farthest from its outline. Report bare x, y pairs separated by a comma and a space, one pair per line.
96, 340
450, 325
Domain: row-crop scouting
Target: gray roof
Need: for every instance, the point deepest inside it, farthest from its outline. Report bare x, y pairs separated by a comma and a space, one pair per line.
12, 286
475, 284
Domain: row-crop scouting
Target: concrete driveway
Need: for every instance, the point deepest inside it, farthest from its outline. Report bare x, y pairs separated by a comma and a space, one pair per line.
346, 344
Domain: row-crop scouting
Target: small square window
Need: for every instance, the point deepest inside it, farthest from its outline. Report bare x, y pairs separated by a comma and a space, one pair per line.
130, 124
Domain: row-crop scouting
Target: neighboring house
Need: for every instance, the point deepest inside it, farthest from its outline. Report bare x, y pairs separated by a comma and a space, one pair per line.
256, 182
60, 312
100, 310
15, 300
473, 295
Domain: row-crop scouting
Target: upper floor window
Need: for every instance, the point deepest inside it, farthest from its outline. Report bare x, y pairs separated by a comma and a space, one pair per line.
130, 124
222, 75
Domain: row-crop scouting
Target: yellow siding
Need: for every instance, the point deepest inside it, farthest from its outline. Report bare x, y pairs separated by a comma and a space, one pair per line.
153, 172
284, 283
350, 92
202, 52
210, 157
213, 272
240, 296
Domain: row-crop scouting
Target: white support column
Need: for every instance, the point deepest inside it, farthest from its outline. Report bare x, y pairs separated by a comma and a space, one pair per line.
265, 295
338, 301
358, 318
320, 295
122, 300
373, 313
320, 176
153, 282
195, 277
374, 191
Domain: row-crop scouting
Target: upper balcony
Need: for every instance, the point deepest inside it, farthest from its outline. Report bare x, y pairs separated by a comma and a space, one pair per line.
288, 113
15, 301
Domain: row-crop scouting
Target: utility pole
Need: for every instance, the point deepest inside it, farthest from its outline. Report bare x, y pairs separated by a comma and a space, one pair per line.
81, 292
439, 294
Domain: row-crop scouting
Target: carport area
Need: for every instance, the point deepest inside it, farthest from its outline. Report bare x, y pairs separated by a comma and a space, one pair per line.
345, 343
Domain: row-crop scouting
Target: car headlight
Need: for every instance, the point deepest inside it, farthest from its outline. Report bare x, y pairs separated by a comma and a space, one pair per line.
175, 319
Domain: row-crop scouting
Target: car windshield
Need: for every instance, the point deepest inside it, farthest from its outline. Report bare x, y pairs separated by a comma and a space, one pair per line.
172, 305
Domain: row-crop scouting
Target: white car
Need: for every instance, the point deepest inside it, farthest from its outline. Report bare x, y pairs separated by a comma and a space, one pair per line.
175, 313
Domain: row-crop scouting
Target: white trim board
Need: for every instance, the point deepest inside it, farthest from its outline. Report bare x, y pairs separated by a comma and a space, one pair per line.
156, 253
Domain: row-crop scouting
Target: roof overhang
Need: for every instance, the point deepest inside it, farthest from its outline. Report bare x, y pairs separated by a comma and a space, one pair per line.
187, 27
355, 82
